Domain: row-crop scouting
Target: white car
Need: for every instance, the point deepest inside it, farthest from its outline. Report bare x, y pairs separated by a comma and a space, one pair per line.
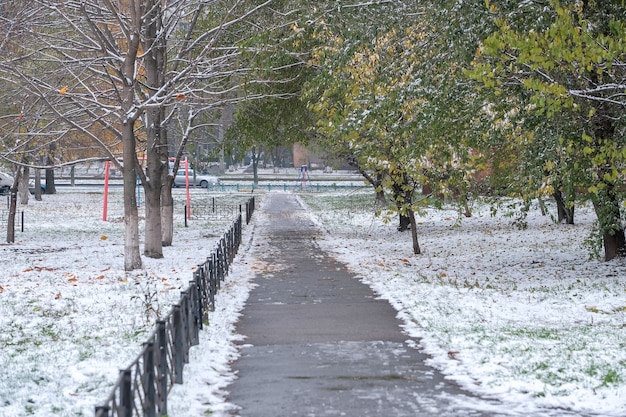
6, 182
200, 180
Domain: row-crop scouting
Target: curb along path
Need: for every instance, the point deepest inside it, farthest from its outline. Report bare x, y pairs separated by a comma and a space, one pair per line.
319, 343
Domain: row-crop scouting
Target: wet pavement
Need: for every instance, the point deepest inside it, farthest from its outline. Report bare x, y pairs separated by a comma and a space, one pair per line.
319, 343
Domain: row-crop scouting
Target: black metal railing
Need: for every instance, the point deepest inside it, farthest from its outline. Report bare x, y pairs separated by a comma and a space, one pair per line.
142, 388
250, 206
298, 186
213, 210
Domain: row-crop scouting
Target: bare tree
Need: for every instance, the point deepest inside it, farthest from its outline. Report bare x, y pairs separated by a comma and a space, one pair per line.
119, 72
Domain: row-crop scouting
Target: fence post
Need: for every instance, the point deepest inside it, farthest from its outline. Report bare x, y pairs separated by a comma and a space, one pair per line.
200, 278
217, 267
149, 409
178, 344
212, 283
222, 258
162, 367
184, 312
239, 231
126, 394
195, 312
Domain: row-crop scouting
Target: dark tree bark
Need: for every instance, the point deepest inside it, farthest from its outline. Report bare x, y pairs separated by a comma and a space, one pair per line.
416, 245
404, 222
564, 213
607, 206
607, 202
37, 185
402, 195
12, 208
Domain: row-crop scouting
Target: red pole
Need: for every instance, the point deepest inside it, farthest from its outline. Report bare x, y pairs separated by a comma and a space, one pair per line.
106, 189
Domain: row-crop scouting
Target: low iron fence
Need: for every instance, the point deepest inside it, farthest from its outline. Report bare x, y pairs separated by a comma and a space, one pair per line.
216, 211
250, 205
297, 186
142, 388
19, 220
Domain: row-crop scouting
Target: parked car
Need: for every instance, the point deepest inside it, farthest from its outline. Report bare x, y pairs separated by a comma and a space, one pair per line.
6, 182
200, 180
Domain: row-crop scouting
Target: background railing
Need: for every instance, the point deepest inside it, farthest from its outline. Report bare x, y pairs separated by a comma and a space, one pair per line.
227, 187
214, 210
142, 388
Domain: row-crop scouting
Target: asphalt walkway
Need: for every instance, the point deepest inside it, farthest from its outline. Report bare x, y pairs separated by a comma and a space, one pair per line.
319, 342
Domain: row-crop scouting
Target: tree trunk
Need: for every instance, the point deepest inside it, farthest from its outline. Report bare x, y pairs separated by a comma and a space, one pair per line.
404, 222
613, 245
416, 245
402, 196
152, 246
155, 169
380, 199
132, 257
156, 166
12, 208
607, 208
50, 185
37, 184
564, 213
23, 190
167, 214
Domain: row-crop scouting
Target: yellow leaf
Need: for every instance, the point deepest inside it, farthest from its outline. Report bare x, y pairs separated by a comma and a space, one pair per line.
63, 90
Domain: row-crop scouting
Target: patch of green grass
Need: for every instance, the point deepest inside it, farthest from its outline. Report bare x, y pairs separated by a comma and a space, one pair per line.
605, 373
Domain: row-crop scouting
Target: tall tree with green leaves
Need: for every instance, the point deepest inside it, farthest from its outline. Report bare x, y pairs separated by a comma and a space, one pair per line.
390, 93
569, 65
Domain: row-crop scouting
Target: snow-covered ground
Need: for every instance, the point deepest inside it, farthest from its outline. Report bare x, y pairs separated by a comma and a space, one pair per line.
523, 315
70, 317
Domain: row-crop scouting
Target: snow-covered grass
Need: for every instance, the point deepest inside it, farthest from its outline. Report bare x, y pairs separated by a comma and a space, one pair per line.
520, 314
523, 315
70, 317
